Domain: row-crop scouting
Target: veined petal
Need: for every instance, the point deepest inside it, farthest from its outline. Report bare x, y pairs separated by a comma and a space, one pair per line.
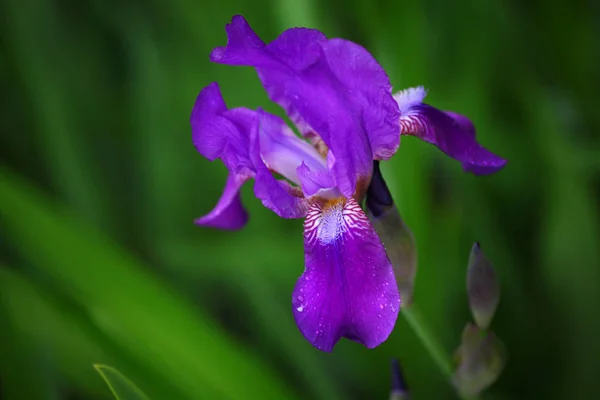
452, 133
229, 213
348, 288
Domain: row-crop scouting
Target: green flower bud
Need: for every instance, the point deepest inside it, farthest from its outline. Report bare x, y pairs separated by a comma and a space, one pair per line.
483, 288
480, 359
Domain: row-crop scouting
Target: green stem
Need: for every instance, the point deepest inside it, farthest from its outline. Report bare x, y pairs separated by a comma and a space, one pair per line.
416, 322
435, 349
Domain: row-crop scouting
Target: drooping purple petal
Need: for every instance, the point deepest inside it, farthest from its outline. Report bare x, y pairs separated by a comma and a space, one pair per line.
452, 133
331, 87
348, 288
233, 136
229, 213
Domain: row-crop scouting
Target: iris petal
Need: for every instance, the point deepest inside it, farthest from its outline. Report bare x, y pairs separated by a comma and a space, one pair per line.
452, 133
233, 136
218, 132
329, 86
348, 288
316, 182
283, 152
277, 195
229, 213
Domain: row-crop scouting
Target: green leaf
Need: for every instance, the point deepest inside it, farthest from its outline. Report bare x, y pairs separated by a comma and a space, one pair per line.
68, 341
22, 357
120, 386
152, 322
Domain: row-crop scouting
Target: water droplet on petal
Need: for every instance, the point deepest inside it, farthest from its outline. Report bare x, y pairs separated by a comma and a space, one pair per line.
301, 308
300, 298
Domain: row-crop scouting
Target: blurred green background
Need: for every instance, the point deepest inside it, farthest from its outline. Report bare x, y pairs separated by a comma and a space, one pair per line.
100, 183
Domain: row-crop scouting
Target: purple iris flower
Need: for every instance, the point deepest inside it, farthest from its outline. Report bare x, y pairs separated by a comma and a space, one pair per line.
341, 101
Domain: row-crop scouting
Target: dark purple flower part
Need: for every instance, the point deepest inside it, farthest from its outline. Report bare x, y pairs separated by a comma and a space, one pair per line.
340, 99
399, 386
394, 234
452, 133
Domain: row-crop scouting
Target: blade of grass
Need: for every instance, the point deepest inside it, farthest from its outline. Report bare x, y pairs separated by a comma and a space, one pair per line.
120, 386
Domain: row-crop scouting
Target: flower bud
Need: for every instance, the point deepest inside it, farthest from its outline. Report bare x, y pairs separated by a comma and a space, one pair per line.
480, 360
483, 287
399, 387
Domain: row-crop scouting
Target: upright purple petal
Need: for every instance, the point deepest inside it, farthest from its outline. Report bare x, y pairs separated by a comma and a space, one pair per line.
323, 108
348, 288
229, 212
452, 133
243, 45
332, 87
369, 88
295, 49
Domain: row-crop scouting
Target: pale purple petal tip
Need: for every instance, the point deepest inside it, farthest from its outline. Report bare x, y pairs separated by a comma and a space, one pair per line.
452, 133
348, 288
229, 213
282, 151
279, 196
314, 181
